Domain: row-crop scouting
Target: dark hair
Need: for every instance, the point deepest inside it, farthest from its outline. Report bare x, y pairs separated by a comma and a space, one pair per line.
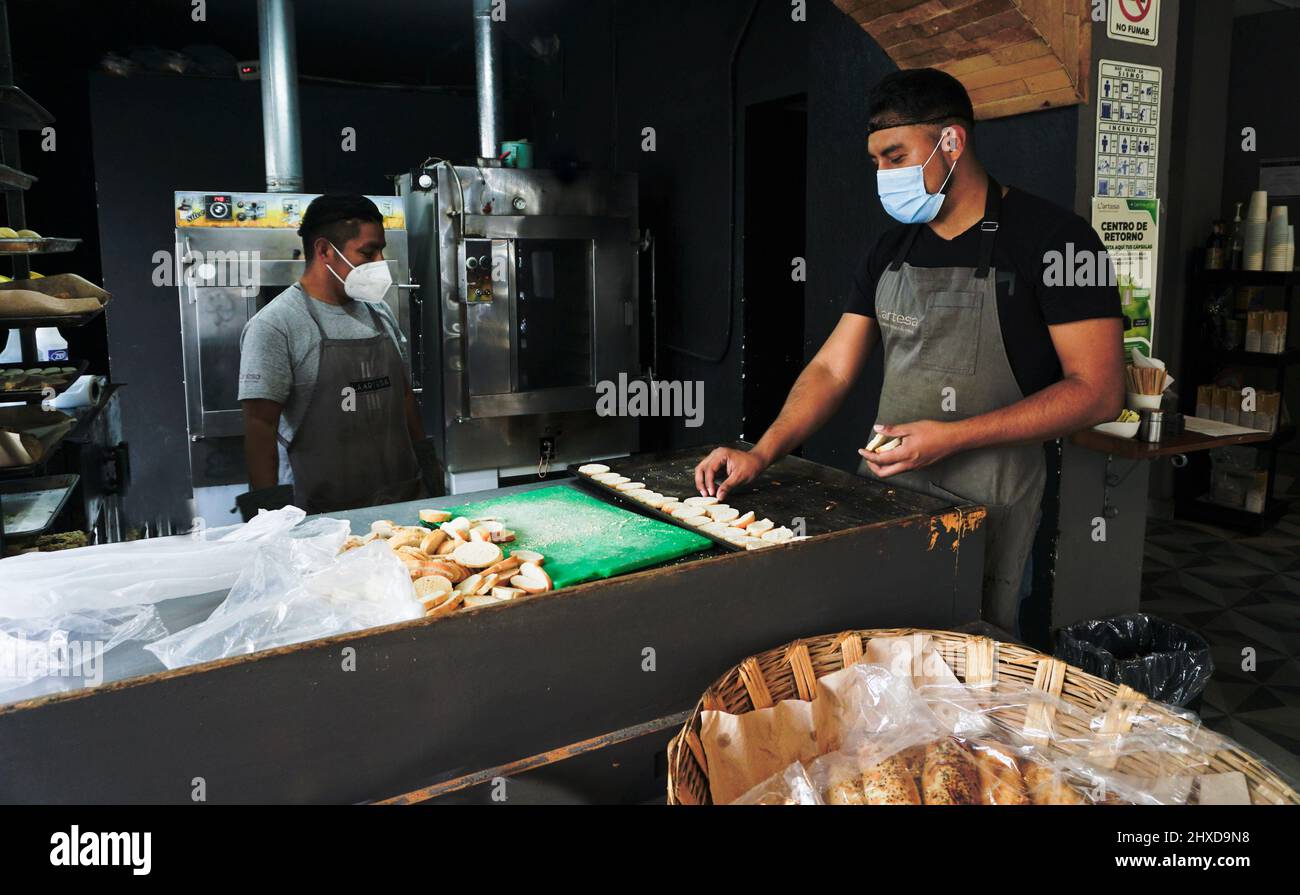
337, 217
919, 96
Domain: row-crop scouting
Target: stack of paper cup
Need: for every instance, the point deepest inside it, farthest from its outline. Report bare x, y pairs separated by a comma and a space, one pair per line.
1254, 232
1277, 248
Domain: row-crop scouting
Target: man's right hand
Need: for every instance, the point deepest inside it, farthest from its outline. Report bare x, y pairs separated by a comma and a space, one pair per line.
741, 467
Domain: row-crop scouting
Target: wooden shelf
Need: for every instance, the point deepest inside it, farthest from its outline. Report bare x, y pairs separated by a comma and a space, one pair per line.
1187, 443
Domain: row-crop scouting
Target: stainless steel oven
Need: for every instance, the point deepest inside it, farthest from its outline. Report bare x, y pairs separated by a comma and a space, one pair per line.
528, 301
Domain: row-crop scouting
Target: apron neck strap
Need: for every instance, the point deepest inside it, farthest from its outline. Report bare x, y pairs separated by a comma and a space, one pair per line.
988, 230
989, 227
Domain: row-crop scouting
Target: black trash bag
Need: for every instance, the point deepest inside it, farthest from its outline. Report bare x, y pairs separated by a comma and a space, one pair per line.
1162, 660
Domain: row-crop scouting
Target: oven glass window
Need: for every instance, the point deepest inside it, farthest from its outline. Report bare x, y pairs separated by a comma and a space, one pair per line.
554, 311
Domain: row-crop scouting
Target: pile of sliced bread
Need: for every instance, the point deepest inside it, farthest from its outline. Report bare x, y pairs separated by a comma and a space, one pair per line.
743, 529
457, 563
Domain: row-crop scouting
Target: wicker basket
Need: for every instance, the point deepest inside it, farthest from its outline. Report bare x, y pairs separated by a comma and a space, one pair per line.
789, 672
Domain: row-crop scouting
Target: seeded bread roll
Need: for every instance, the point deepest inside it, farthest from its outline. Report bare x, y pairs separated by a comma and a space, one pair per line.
999, 775
949, 776
1046, 787
890, 783
846, 792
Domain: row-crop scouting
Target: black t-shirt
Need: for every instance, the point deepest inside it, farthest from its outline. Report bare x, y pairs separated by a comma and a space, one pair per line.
1030, 229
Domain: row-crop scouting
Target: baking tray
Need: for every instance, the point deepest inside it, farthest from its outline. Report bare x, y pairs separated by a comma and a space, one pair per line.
827, 499
43, 246
10, 491
36, 394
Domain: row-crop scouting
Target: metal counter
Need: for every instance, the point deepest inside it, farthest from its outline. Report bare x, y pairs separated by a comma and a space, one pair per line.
579, 688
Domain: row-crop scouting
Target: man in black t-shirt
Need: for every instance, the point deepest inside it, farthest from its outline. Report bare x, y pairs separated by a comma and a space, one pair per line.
1000, 323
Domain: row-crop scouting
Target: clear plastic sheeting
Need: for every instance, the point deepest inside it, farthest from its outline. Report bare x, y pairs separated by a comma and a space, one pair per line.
294, 592
62, 612
106, 576
66, 652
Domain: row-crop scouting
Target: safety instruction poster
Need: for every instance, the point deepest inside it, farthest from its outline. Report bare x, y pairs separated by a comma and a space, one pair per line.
1128, 130
1130, 230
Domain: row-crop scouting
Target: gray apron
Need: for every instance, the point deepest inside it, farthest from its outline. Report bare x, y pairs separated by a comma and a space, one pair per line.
941, 331
361, 455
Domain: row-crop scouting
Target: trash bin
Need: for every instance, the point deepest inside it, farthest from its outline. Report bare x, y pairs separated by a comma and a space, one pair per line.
1167, 662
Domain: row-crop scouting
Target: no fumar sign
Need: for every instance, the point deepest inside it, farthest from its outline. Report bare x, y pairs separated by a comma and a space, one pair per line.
1136, 21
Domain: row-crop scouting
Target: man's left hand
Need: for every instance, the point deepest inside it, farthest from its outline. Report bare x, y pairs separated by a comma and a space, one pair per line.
924, 443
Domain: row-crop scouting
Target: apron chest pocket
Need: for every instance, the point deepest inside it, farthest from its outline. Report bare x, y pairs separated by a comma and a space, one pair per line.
950, 333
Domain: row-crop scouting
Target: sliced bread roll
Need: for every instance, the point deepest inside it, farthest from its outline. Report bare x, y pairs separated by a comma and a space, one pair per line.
509, 564
432, 541
405, 538
697, 521
470, 584
777, 535
743, 521
382, 528
459, 526
701, 501
477, 554
507, 593
532, 579
721, 513
531, 556
593, 469
630, 486
434, 517
476, 601
685, 511
452, 571
454, 601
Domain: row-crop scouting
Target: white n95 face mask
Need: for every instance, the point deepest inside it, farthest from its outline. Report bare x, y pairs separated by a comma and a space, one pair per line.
903, 194
368, 282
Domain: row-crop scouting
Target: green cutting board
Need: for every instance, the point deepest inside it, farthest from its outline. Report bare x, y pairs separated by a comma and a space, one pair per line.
584, 538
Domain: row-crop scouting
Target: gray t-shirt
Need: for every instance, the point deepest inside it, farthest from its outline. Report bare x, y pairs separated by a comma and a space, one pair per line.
280, 352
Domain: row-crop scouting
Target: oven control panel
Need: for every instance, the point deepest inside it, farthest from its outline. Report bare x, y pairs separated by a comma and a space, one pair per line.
270, 211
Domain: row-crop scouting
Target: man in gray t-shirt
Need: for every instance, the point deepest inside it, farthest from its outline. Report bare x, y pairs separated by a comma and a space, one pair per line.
323, 383
280, 352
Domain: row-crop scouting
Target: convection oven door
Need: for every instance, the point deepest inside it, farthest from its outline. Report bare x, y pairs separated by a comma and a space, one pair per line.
547, 305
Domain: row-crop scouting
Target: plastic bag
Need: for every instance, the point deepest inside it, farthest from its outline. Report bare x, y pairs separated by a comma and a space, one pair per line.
1166, 662
66, 652
106, 576
296, 591
790, 787
1074, 756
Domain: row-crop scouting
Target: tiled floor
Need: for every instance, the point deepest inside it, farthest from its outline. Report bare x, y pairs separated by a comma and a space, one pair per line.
1238, 591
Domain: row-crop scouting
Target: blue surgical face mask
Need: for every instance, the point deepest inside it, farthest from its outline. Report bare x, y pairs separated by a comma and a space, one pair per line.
902, 191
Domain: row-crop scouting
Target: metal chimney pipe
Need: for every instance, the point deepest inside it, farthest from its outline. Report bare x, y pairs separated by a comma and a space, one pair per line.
487, 67
281, 133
